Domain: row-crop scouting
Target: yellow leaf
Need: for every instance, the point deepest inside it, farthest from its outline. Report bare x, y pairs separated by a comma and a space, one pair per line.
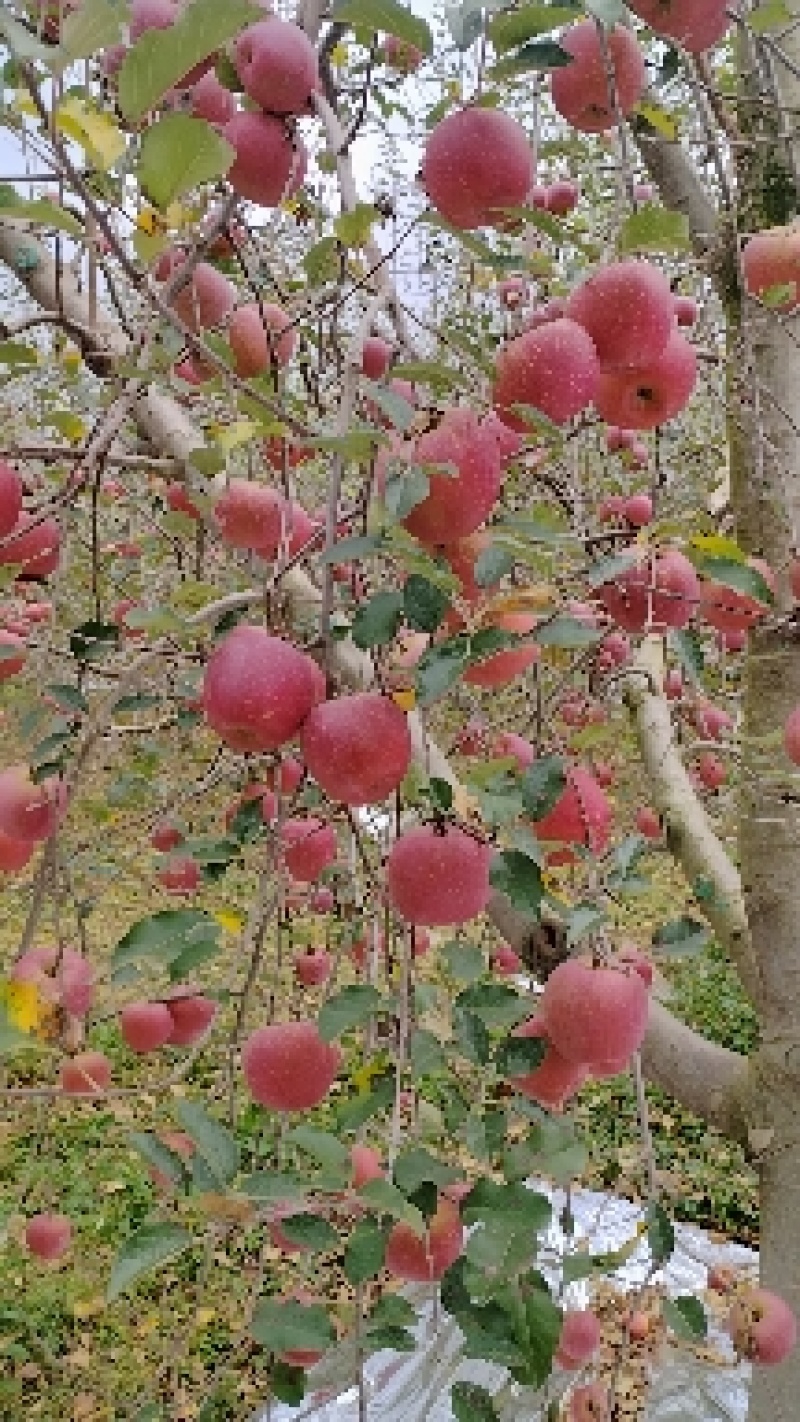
204, 1316
149, 221
95, 131
23, 1005
22, 103
362, 1076
71, 426
89, 1308
340, 55
229, 920
539, 597
465, 805
229, 437
148, 246
405, 697
660, 120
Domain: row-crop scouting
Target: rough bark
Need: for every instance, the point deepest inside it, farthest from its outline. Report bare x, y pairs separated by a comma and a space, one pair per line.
765, 496
690, 834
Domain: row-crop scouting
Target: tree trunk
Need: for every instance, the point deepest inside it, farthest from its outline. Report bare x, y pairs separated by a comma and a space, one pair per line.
765, 490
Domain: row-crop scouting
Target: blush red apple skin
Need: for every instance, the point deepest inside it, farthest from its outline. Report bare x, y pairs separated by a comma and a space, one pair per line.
269, 165
358, 748
595, 1016
581, 91
87, 1074
476, 162
257, 690
436, 879
277, 64
48, 1235
288, 1067
553, 368
457, 504
627, 308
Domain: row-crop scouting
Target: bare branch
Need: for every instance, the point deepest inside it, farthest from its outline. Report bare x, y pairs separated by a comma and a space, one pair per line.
690, 834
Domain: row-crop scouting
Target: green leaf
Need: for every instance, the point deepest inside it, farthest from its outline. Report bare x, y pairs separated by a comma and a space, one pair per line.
91, 641
360, 1108
179, 153
557, 1151
407, 486
424, 604
399, 1340
15, 352
519, 1056
323, 1146
213, 1142
21, 41
498, 1006
146, 1249
584, 919
392, 1310
286, 1382
543, 1326
385, 1197
310, 1232
543, 784
566, 632
654, 229
387, 16
415, 1165
492, 564
541, 55
37, 211
399, 411
610, 12
11, 1038
740, 576
471, 1036
440, 794
689, 650
428, 372
95, 25
153, 1150
686, 1317
660, 1233
285, 1325
518, 877
682, 936
161, 58
322, 261
352, 550
513, 27
351, 1007
527, 1209
464, 961
472, 1403
364, 1253
377, 622
272, 1186
353, 228
772, 15
425, 1054
606, 570
165, 936
440, 668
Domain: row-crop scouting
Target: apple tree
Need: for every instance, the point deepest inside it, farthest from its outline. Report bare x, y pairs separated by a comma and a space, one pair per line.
358, 530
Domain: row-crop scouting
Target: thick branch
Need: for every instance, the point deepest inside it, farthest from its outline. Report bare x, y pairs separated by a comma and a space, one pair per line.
690, 833
680, 186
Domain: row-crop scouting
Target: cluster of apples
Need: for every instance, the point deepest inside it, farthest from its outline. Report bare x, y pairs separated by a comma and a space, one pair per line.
591, 1019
